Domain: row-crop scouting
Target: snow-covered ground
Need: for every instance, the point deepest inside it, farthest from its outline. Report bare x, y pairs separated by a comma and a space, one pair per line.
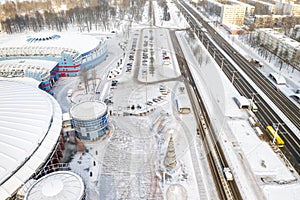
121, 157
129, 159
125, 164
244, 148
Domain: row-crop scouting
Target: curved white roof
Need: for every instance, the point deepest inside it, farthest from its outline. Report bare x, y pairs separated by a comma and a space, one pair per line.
79, 42
30, 124
62, 185
38, 69
88, 110
176, 191
42, 64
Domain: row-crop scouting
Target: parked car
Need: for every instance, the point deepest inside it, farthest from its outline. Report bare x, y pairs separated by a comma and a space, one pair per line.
150, 103
160, 97
155, 100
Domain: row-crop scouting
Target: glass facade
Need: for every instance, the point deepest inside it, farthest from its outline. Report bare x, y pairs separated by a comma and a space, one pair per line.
91, 129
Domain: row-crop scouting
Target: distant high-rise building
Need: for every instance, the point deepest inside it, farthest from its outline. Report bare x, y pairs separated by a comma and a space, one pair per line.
262, 7
287, 8
229, 12
233, 14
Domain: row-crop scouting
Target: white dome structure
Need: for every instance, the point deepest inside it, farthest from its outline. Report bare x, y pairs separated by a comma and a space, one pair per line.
30, 126
176, 192
62, 185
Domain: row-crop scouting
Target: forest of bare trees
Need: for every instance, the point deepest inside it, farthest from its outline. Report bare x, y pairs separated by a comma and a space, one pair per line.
87, 15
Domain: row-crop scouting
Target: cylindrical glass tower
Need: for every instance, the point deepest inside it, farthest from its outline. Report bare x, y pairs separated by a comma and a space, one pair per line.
89, 119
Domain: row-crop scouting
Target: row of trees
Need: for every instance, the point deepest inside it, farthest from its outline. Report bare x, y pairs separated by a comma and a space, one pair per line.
91, 15
12, 8
199, 55
269, 52
284, 22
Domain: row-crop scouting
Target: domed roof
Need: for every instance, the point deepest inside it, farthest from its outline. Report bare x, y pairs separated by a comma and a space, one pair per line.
30, 125
88, 110
62, 185
176, 192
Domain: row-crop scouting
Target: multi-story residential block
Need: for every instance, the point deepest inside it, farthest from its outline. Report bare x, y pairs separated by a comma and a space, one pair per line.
277, 21
296, 33
268, 21
287, 8
233, 14
281, 45
249, 8
229, 12
261, 7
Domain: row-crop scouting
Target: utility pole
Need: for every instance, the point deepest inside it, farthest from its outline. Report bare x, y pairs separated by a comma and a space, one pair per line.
222, 64
252, 100
276, 130
146, 90
233, 76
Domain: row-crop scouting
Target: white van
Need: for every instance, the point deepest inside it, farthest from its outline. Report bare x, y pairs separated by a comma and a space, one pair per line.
228, 174
70, 92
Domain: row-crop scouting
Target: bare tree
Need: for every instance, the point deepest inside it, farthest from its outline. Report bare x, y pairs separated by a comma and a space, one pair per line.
198, 55
288, 23
206, 59
84, 79
94, 76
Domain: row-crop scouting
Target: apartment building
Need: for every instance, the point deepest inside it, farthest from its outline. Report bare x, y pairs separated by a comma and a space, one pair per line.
228, 12
249, 8
262, 7
281, 45
296, 33
233, 14
270, 21
287, 8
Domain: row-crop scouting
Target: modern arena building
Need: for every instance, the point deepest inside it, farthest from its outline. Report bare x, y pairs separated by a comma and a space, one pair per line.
31, 141
30, 128
66, 54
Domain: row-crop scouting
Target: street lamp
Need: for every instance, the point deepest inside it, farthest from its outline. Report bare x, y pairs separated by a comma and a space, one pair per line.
222, 64
233, 76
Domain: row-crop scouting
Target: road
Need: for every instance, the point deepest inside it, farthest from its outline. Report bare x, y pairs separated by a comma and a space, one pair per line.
266, 114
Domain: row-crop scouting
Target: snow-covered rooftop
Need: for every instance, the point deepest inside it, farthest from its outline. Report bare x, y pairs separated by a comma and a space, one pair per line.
264, 3
88, 110
37, 63
79, 42
62, 185
275, 34
243, 4
30, 124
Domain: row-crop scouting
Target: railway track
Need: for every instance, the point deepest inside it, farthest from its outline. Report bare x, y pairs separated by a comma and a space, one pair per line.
215, 156
266, 114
